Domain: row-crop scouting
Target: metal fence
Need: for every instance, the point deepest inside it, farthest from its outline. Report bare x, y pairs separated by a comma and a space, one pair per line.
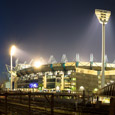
108, 90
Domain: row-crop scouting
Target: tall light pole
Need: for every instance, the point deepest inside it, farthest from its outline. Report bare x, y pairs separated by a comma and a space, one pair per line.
12, 51
103, 17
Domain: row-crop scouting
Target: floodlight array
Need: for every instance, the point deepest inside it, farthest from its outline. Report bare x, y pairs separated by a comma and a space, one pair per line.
103, 15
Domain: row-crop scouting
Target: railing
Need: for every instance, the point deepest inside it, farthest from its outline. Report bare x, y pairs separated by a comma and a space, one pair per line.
108, 90
30, 102
12, 101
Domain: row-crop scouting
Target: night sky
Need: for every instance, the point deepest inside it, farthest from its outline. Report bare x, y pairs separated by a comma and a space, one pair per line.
40, 28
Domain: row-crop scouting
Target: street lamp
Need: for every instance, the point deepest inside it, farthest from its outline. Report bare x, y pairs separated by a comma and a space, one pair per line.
103, 17
81, 88
12, 51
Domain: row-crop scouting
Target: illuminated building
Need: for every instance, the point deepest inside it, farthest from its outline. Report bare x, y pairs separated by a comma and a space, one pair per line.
65, 76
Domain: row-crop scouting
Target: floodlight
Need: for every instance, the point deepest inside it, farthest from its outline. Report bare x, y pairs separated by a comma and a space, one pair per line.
37, 64
13, 48
103, 15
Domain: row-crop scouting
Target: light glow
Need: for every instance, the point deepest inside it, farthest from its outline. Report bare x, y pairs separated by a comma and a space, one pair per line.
81, 88
103, 15
37, 64
111, 81
13, 48
57, 88
95, 90
33, 85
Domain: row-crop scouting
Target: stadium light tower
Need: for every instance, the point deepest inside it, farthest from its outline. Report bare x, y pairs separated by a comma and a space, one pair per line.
12, 51
103, 17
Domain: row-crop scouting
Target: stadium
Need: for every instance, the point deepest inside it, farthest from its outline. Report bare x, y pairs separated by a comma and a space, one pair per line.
62, 77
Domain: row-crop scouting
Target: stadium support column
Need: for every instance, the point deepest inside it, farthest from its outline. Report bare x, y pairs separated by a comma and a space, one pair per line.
99, 78
91, 61
62, 81
45, 81
106, 60
77, 60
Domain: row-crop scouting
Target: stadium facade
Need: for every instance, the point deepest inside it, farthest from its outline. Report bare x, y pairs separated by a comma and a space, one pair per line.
64, 77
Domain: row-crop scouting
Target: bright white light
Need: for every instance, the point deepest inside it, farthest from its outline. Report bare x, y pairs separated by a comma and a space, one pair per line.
107, 101
81, 88
57, 88
111, 81
95, 89
37, 64
69, 72
103, 15
13, 48
108, 83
